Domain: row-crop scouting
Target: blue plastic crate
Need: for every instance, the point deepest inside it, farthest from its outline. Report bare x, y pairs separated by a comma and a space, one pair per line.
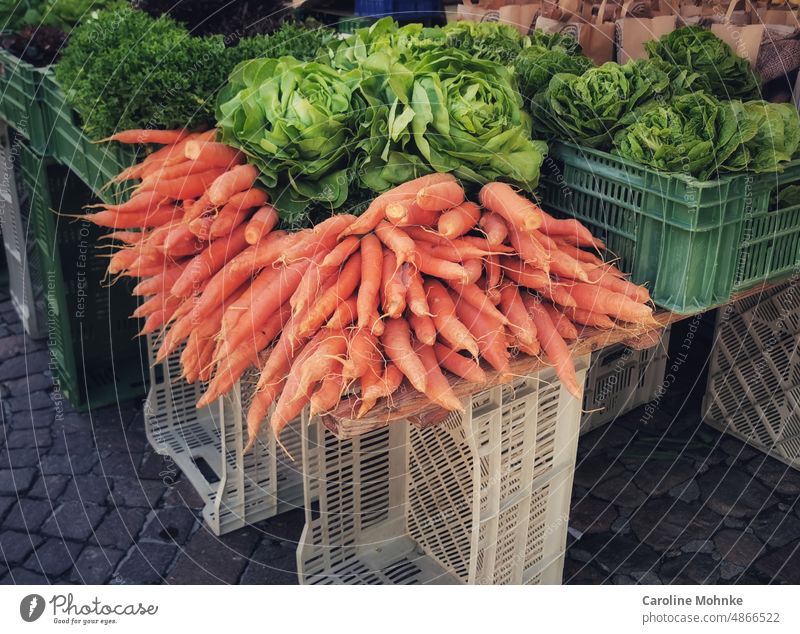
399, 9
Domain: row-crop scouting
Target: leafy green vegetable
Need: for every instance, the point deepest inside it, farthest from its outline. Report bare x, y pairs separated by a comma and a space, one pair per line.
785, 197
699, 50
536, 65
468, 119
295, 121
591, 107
681, 80
62, 14
491, 41
699, 135
485, 40
553, 41
124, 69
289, 40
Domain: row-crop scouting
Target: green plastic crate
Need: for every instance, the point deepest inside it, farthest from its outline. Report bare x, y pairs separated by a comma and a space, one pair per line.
770, 242
98, 358
94, 163
680, 236
21, 105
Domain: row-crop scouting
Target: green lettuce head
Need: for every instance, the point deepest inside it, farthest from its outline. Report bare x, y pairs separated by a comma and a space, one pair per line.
468, 119
296, 121
591, 107
700, 51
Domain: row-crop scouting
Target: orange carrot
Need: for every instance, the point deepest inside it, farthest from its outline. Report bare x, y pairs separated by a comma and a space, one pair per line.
440, 196
416, 299
259, 406
169, 172
436, 267
393, 291
423, 327
518, 211
598, 299
310, 284
329, 300
396, 341
260, 224
159, 283
567, 228
160, 137
328, 394
444, 318
520, 323
126, 237
268, 293
235, 180
190, 186
459, 365
494, 227
340, 253
472, 294
372, 386
524, 274
385, 386
491, 339
474, 269
211, 153
344, 315
607, 280
326, 358
562, 324
437, 388
376, 211
371, 276
236, 359
554, 346
398, 241
529, 249
459, 220
588, 318
409, 213
137, 204
359, 352
114, 220
207, 263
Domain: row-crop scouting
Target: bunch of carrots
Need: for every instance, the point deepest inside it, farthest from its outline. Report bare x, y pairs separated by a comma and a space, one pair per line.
423, 286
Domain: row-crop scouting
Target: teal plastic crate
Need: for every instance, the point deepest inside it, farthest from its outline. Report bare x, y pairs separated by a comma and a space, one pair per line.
98, 358
770, 242
21, 105
94, 163
691, 242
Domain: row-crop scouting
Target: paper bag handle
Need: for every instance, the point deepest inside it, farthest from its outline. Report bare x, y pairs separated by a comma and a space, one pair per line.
601, 13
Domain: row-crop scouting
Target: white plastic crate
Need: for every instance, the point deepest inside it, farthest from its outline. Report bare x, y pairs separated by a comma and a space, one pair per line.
753, 389
206, 445
621, 379
24, 278
484, 497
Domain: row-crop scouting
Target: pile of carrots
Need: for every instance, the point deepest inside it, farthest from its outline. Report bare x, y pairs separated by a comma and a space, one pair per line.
423, 285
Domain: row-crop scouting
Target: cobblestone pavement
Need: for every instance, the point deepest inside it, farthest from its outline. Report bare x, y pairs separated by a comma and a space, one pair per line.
81, 501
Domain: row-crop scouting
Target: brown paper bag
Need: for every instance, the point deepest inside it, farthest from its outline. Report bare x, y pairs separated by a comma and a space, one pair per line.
595, 36
632, 32
776, 14
745, 40
520, 16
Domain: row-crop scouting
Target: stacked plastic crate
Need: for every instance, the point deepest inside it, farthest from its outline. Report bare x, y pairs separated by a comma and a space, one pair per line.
483, 497
207, 446
753, 387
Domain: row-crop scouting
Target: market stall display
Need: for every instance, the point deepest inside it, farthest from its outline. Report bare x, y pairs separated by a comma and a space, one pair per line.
411, 237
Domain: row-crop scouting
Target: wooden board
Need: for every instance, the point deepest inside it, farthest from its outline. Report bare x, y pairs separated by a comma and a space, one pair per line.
409, 404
